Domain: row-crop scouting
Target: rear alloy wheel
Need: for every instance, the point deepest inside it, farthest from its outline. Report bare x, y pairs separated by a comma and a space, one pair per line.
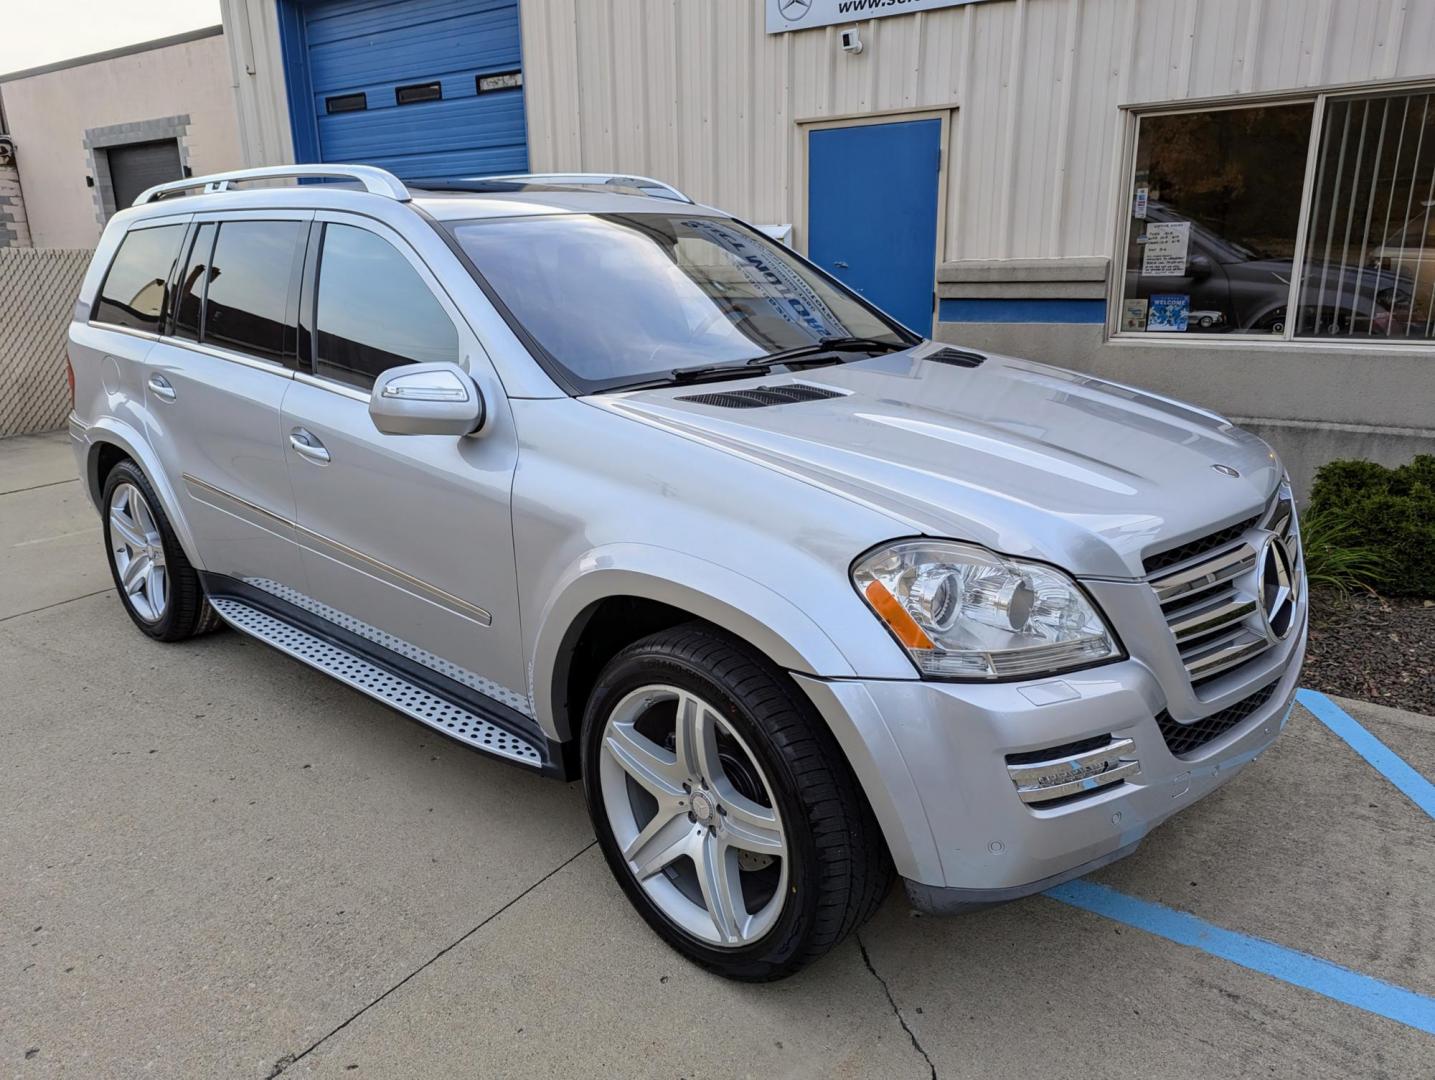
724, 806
138, 553
158, 586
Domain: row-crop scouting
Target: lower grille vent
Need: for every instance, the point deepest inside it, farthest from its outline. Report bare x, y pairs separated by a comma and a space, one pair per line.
761, 396
1183, 739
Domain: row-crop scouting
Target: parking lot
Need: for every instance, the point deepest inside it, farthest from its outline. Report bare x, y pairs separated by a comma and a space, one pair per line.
215, 862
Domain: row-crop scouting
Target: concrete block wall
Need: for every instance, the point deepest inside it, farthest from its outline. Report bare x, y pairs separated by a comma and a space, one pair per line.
14, 226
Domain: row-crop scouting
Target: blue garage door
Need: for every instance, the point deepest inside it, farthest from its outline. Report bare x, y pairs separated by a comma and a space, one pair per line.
872, 212
423, 88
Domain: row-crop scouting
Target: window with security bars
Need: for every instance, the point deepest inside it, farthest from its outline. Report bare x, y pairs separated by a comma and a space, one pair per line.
1369, 268
1325, 208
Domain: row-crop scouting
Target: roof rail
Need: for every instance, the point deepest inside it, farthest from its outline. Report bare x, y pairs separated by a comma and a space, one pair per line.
375, 181
644, 184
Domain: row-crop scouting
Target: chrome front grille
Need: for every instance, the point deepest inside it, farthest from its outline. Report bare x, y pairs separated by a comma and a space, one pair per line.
1211, 601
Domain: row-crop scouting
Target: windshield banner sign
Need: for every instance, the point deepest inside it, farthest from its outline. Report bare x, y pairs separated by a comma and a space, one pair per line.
785, 15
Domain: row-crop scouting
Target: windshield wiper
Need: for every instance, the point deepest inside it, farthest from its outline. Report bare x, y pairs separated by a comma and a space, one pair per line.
739, 370
833, 344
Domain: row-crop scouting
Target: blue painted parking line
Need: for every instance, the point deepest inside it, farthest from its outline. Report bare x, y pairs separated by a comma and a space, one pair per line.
1386, 761
1256, 954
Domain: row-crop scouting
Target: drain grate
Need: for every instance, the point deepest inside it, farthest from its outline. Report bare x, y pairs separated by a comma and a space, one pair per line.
379, 684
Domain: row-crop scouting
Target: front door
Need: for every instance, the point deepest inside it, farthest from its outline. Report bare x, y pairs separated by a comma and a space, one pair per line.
408, 539
872, 195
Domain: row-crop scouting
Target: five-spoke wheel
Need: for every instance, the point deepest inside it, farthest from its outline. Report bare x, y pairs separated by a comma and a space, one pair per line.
724, 806
138, 552
694, 814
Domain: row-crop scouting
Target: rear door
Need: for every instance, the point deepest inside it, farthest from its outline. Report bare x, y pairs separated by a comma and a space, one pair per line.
215, 387
407, 538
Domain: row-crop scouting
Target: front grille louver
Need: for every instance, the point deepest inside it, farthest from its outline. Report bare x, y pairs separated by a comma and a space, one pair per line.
1207, 591
760, 397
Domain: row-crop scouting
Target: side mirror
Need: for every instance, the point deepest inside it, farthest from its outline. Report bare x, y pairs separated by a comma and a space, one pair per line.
1199, 267
426, 399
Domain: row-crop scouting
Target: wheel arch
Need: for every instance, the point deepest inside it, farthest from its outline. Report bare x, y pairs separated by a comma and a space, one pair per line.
111, 441
668, 587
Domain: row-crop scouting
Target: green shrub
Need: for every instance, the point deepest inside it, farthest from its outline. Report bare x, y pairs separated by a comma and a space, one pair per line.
1359, 506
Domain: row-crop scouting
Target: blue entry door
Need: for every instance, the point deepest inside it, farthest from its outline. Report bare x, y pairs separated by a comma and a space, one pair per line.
872, 192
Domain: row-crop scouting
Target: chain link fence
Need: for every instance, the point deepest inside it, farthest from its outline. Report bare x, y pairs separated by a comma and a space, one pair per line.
37, 293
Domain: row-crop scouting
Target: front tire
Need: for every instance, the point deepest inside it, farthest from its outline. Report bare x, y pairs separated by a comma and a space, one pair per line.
725, 808
159, 588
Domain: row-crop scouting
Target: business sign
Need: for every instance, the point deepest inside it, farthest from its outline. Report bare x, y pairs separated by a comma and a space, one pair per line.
785, 15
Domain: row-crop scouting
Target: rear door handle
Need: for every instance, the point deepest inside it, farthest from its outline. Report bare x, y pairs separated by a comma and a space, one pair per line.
307, 445
161, 387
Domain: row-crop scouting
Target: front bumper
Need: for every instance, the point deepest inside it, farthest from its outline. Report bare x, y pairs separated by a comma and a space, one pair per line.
932, 758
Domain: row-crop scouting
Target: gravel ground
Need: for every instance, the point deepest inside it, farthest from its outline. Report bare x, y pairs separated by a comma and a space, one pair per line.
1377, 648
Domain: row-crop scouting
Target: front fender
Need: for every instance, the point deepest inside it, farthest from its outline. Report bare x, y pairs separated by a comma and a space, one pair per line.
118, 433
741, 606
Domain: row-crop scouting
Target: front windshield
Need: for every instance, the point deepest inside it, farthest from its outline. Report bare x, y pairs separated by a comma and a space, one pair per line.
618, 299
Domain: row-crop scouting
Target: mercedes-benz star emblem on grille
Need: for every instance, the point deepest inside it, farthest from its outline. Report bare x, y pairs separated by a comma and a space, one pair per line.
1277, 586
1226, 470
792, 10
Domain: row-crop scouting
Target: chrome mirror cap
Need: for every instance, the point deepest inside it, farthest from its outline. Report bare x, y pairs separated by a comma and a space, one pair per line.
426, 399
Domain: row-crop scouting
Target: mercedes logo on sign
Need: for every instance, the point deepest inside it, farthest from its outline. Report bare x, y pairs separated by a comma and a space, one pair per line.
793, 10
1277, 587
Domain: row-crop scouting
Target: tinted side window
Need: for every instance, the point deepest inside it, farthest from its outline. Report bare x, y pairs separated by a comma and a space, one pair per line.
189, 289
374, 311
250, 282
133, 294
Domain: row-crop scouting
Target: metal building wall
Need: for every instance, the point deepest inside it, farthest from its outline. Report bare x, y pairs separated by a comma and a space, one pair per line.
694, 91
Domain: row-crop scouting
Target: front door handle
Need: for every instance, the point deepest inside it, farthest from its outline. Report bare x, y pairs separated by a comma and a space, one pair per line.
161, 387
307, 445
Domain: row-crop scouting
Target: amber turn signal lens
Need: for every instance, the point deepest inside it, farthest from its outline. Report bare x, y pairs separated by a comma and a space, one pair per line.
895, 616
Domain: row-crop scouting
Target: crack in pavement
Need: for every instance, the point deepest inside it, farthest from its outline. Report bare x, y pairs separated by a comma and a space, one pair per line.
287, 1060
37, 487
867, 959
57, 603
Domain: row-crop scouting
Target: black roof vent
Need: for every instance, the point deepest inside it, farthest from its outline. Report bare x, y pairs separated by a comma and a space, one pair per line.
956, 357
760, 397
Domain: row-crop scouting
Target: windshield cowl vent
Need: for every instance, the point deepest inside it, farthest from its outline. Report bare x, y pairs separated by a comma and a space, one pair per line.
956, 357
759, 397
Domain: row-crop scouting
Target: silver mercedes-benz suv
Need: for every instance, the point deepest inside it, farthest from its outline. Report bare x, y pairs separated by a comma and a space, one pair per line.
612, 487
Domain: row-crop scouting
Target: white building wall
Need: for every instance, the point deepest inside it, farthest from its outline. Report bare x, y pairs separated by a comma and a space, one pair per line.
49, 113
695, 92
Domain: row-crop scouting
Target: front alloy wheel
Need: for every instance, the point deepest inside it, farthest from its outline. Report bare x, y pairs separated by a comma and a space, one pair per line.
694, 815
725, 807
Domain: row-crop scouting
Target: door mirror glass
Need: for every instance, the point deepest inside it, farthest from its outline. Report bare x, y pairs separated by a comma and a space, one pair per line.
1199, 267
426, 399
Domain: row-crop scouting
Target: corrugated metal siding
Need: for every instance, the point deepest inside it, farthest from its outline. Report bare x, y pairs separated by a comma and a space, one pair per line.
693, 91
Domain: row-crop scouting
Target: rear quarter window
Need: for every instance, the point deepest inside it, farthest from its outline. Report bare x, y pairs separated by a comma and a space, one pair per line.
134, 292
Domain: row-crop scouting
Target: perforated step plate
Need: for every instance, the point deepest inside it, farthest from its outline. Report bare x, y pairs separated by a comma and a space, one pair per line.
397, 693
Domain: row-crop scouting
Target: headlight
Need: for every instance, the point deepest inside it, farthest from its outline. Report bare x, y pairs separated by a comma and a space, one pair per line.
964, 612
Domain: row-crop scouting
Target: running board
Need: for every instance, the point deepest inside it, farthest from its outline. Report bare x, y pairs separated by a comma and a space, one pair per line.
413, 701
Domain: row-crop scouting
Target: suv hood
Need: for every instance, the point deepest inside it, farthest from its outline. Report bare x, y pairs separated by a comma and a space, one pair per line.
1023, 458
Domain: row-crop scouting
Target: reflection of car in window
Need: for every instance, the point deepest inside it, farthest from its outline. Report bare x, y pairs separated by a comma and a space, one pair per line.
1408, 251
1235, 288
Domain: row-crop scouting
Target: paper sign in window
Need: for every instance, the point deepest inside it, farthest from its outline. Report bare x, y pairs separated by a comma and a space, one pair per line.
1164, 253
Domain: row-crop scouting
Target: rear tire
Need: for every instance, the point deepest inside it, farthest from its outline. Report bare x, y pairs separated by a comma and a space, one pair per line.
160, 590
782, 830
